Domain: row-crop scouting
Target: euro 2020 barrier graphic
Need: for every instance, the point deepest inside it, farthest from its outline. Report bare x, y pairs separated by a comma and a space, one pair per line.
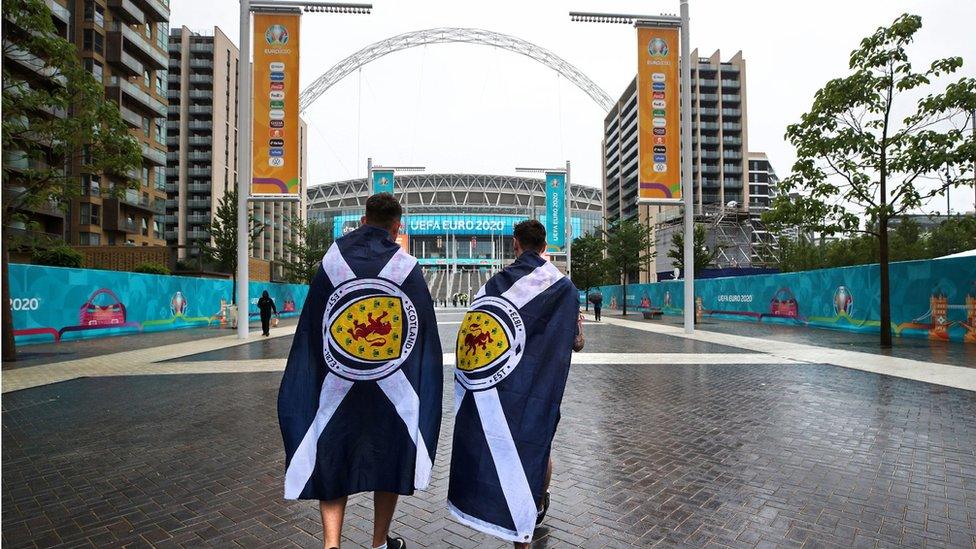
55, 303
933, 298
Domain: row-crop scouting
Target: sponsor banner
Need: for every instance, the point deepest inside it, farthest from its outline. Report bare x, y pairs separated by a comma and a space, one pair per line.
275, 149
931, 299
454, 224
555, 218
382, 181
52, 304
658, 104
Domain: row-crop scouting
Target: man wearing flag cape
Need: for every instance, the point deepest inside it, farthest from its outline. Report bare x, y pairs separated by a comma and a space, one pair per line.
360, 401
513, 354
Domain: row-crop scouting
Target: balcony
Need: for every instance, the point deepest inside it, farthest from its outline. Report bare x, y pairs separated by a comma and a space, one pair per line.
155, 156
200, 126
31, 62
204, 95
730, 83
131, 117
198, 203
156, 10
731, 98
197, 235
201, 109
59, 12
151, 104
201, 79
198, 156
198, 219
201, 64
116, 55
203, 141
172, 187
127, 11
198, 187
730, 126
198, 172
172, 204
139, 43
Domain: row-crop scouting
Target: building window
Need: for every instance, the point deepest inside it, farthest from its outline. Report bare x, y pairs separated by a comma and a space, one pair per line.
158, 229
147, 29
94, 12
89, 214
159, 178
93, 41
89, 239
145, 126
162, 35
161, 130
90, 185
95, 68
145, 227
161, 82
147, 78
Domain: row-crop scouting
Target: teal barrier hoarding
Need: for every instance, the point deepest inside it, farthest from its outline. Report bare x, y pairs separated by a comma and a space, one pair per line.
933, 299
54, 303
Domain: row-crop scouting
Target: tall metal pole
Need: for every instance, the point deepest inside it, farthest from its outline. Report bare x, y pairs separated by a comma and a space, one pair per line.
689, 255
243, 169
569, 225
369, 174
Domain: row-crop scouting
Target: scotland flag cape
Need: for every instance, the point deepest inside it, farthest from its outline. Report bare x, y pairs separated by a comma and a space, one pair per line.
360, 401
513, 353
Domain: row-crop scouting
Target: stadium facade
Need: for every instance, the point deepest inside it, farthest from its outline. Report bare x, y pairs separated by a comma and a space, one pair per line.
459, 226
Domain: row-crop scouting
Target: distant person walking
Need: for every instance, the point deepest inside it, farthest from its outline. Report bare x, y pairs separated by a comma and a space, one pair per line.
596, 298
267, 306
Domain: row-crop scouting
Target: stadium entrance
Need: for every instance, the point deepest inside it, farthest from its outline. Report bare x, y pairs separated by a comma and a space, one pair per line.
459, 226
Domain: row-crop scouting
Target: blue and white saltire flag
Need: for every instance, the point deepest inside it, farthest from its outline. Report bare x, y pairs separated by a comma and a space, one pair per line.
360, 401
513, 354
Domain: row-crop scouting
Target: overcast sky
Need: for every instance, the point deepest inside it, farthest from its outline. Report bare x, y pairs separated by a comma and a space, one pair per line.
478, 109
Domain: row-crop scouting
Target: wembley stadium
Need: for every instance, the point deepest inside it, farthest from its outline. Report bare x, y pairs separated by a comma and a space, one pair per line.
459, 226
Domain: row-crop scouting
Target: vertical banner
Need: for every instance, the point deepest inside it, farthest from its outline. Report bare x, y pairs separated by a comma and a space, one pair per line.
556, 211
382, 181
275, 147
658, 113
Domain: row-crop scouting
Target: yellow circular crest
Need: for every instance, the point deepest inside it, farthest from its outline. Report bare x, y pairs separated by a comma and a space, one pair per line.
480, 341
370, 328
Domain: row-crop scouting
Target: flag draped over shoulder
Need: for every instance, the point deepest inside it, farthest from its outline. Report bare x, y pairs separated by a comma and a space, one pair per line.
360, 402
513, 354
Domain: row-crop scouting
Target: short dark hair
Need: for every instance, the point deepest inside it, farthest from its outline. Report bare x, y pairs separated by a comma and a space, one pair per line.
531, 235
382, 210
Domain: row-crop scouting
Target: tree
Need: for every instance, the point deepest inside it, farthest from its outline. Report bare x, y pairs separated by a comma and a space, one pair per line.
703, 256
55, 115
858, 159
222, 247
311, 241
957, 234
630, 247
589, 265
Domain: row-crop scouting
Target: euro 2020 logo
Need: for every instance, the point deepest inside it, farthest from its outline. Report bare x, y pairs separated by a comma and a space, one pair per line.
276, 35
657, 47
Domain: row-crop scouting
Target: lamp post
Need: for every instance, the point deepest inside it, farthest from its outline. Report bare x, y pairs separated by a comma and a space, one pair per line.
687, 188
244, 133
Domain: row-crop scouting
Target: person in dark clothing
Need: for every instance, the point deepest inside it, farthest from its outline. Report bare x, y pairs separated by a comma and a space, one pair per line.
596, 299
267, 306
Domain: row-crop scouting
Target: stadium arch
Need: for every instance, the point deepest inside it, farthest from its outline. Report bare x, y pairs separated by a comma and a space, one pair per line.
453, 35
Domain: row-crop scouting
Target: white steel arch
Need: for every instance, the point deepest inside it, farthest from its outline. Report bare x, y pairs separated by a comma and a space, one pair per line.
447, 35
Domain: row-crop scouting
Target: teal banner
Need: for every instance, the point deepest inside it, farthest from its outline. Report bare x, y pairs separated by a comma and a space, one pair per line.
934, 299
555, 218
382, 181
55, 304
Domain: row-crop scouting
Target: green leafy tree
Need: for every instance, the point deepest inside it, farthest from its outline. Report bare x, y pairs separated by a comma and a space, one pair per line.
311, 241
703, 255
54, 115
857, 159
589, 264
630, 248
221, 250
957, 234
800, 254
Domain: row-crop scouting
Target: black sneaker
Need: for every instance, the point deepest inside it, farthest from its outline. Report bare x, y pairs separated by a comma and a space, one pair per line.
395, 543
541, 513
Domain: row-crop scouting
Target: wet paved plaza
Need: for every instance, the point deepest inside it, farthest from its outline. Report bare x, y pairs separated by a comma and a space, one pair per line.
736, 454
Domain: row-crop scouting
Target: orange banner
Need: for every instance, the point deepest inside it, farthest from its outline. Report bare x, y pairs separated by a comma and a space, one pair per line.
275, 147
658, 112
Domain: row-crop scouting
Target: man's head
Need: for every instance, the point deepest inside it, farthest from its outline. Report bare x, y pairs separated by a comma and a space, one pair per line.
383, 211
530, 236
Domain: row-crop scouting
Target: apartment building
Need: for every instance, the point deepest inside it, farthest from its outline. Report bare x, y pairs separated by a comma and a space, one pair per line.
719, 145
124, 45
202, 162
